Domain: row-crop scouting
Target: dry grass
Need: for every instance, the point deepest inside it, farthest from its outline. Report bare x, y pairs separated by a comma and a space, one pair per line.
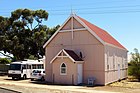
131, 82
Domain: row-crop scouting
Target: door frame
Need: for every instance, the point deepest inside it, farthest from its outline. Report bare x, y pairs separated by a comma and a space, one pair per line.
119, 72
79, 73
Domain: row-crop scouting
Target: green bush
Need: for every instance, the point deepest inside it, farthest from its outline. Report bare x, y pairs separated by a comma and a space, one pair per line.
134, 70
4, 61
32, 57
134, 65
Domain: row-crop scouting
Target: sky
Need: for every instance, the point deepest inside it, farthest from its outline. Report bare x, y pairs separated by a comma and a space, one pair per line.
120, 18
2, 56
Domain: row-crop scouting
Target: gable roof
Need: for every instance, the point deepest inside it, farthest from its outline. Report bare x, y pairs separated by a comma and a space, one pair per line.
100, 34
69, 53
106, 37
73, 55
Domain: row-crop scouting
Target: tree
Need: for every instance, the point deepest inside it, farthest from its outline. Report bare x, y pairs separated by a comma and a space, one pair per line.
23, 33
25, 18
18, 31
134, 68
3, 29
39, 38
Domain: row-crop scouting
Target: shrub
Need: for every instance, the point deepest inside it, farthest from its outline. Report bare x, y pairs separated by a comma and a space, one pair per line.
134, 68
4, 61
32, 57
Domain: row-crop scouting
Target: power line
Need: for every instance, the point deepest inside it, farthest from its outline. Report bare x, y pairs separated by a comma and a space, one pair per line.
89, 8
85, 4
137, 11
91, 13
117, 12
96, 12
110, 7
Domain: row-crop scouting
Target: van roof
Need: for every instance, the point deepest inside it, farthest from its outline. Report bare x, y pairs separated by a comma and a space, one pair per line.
28, 62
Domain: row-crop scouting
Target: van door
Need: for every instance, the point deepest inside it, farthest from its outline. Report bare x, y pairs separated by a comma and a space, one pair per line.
28, 71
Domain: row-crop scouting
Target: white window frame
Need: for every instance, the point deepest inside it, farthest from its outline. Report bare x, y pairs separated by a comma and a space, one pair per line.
108, 60
65, 68
114, 62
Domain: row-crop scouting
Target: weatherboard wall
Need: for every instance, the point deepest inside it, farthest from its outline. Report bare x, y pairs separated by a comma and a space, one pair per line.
115, 57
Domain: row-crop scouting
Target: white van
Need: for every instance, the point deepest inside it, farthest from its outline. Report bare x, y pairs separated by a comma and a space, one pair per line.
23, 69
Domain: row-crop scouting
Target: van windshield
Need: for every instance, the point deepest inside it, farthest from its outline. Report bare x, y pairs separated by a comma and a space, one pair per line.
15, 67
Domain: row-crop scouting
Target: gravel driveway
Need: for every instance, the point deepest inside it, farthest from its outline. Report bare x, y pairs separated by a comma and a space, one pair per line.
27, 86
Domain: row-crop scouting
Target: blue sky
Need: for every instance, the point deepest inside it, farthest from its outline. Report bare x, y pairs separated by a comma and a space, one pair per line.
121, 18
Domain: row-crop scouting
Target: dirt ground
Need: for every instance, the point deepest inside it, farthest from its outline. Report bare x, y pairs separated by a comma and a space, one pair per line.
27, 86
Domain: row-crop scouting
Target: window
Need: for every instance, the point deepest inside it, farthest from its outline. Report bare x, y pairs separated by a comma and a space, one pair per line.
15, 67
107, 60
23, 66
37, 66
28, 66
107, 66
63, 69
36, 71
33, 66
123, 63
114, 61
40, 66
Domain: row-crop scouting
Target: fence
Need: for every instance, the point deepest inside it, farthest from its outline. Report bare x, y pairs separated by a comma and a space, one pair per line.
4, 69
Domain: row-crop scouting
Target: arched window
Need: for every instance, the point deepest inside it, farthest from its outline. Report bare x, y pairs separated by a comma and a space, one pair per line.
63, 69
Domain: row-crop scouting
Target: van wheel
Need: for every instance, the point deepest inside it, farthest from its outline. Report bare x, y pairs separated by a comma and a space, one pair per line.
42, 79
32, 79
13, 78
24, 77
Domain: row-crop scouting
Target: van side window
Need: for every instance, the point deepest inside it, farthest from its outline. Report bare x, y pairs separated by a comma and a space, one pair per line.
39, 66
28, 66
42, 67
23, 66
34, 66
